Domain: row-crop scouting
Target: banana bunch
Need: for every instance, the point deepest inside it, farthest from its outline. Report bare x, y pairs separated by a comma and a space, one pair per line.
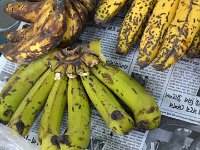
67, 79
168, 29
52, 23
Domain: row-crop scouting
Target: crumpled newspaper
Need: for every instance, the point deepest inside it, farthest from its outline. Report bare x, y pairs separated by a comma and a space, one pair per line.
10, 140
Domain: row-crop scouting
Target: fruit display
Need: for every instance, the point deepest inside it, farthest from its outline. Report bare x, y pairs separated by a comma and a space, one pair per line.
167, 29
67, 79
52, 23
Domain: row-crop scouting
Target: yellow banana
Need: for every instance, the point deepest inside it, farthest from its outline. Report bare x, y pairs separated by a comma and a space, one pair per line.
49, 127
145, 109
161, 18
32, 104
132, 24
180, 34
74, 25
194, 49
107, 9
89, 4
108, 106
20, 84
78, 133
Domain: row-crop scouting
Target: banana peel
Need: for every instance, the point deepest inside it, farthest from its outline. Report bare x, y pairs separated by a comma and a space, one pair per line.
36, 40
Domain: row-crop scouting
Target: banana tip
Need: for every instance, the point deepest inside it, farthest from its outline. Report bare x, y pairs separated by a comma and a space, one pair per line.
99, 22
120, 52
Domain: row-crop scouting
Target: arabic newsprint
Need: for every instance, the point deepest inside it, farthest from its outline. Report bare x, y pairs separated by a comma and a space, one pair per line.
177, 91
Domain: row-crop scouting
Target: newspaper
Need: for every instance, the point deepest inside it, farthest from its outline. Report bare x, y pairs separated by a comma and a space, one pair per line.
176, 90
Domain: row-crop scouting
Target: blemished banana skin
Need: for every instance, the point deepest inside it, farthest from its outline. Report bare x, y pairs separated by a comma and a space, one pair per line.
38, 39
32, 104
20, 84
144, 107
107, 9
49, 128
152, 38
132, 24
194, 49
78, 131
107, 105
73, 24
179, 35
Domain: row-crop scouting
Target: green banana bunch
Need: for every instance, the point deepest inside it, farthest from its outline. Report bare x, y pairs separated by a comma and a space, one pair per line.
145, 109
107, 105
20, 84
49, 128
32, 104
78, 133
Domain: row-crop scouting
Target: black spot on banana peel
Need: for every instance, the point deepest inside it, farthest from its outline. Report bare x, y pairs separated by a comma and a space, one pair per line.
45, 34
25, 11
144, 107
107, 105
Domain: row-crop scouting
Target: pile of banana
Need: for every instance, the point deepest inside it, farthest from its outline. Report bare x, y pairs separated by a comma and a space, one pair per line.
52, 23
168, 29
67, 79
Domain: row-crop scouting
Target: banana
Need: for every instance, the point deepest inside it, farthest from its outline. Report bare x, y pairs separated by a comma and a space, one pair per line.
194, 49
82, 11
20, 84
89, 4
74, 25
132, 24
18, 35
180, 34
25, 11
78, 133
32, 104
107, 9
49, 127
161, 18
145, 109
46, 33
107, 105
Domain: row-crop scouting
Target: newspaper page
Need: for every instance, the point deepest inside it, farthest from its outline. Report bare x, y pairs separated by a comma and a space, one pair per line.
176, 91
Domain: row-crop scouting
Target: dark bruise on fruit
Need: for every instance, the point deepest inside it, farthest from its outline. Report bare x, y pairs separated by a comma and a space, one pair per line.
3, 122
8, 112
64, 139
6, 92
143, 125
20, 126
55, 141
117, 115
107, 77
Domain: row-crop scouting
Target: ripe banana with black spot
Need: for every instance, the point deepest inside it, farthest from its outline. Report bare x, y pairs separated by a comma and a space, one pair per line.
74, 25
49, 127
107, 9
82, 11
107, 105
144, 107
46, 33
89, 4
32, 104
179, 35
78, 132
152, 38
194, 49
132, 24
20, 84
